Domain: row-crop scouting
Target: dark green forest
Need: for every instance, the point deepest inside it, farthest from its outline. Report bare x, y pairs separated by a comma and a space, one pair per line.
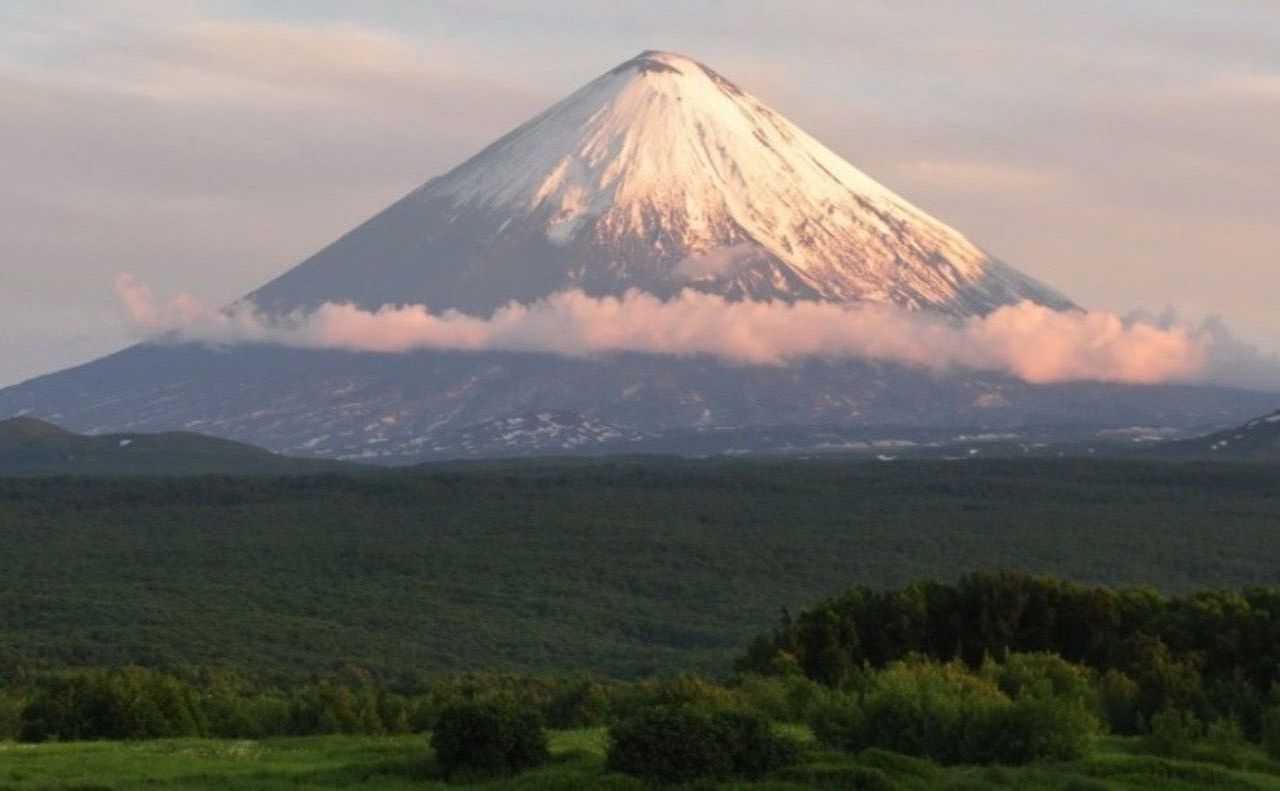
1214, 654
574, 624
624, 567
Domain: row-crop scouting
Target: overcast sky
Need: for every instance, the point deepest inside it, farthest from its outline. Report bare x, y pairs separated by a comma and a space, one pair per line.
1125, 151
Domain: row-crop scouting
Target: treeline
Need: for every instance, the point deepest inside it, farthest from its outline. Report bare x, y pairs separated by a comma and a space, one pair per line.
995, 668
144, 703
1214, 654
670, 729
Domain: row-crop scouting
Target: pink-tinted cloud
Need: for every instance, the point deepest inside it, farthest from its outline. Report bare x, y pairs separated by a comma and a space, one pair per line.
1025, 340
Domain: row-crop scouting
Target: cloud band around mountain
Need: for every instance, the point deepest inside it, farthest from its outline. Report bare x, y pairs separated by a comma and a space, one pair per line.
1031, 342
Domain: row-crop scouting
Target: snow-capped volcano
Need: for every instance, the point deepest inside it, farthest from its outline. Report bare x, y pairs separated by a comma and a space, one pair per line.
658, 175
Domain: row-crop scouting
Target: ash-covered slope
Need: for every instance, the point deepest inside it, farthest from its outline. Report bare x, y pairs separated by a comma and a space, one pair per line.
658, 175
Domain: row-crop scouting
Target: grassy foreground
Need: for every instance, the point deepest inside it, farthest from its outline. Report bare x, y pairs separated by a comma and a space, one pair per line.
578, 762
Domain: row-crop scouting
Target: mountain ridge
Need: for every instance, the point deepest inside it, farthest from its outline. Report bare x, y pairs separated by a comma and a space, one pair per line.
30, 446
1255, 440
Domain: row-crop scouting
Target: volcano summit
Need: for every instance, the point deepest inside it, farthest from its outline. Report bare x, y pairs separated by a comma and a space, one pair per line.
660, 176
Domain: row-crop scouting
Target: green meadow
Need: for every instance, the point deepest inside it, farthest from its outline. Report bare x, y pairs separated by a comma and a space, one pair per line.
405, 762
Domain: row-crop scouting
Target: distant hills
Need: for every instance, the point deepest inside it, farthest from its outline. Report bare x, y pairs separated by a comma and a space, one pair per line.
1257, 440
29, 446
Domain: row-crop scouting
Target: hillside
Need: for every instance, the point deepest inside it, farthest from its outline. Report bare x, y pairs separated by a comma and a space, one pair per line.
1257, 440
33, 447
624, 567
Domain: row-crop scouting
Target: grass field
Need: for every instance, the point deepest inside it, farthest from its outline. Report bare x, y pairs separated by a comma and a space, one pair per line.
578, 762
622, 567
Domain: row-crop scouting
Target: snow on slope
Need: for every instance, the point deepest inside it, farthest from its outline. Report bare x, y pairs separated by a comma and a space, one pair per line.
1257, 439
658, 175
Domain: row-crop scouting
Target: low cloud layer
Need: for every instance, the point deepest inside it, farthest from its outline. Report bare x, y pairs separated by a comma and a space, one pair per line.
1025, 340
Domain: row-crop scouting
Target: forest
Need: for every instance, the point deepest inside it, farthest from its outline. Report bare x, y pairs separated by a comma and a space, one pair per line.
625, 568
988, 671
638, 622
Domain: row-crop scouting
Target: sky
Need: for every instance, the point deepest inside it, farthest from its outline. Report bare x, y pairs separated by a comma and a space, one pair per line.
1125, 151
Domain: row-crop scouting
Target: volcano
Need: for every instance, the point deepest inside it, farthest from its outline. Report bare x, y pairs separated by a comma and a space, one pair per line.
659, 176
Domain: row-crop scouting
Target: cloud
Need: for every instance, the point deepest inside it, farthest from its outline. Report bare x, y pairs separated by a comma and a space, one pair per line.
1026, 340
717, 262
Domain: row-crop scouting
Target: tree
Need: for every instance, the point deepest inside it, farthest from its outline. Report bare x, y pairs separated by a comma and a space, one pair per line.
496, 736
681, 743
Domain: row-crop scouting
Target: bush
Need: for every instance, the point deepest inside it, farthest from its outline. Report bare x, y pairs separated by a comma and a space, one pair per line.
673, 744
1224, 733
946, 714
1118, 701
790, 698
940, 712
582, 704
686, 690
754, 748
11, 706
1042, 727
1172, 733
1023, 673
488, 738
838, 723
1271, 732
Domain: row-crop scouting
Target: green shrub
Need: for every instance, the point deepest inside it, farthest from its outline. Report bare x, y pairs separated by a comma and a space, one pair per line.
940, 712
581, 704
669, 744
948, 715
492, 737
11, 706
1224, 732
1271, 732
1118, 702
754, 748
790, 698
687, 690
1040, 727
672, 744
837, 723
1172, 733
